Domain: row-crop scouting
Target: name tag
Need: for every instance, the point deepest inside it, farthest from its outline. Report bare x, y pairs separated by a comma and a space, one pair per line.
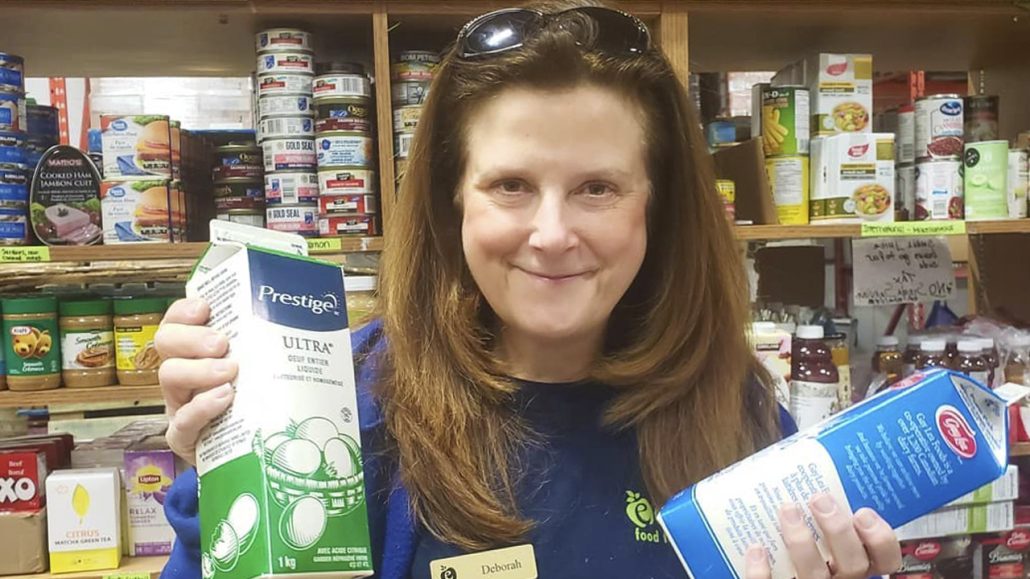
509, 563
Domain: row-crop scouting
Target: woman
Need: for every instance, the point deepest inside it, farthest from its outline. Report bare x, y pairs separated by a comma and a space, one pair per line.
561, 339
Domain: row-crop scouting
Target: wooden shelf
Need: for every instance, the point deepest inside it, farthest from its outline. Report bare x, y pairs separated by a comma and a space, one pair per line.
1003, 226
131, 567
190, 250
1019, 449
131, 395
779, 232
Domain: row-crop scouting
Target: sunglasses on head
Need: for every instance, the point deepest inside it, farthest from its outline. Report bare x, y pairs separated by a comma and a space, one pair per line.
604, 30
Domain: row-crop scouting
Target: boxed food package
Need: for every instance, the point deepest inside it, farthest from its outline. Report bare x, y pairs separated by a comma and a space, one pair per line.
772, 348
940, 558
1005, 488
852, 178
136, 146
1006, 555
282, 487
987, 518
841, 91
84, 522
23, 549
139, 210
149, 471
22, 477
937, 435
57, 449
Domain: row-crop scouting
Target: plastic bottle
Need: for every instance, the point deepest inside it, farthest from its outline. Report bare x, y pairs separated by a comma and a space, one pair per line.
970, 361
908, 359
1018, 360
814, 380
888, 359
932, 355
991, 358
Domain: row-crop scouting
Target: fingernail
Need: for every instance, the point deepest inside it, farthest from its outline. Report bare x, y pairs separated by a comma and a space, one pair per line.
214, 343
756, 554
866, 519
222, 366
792, 514
224, 391
824, 504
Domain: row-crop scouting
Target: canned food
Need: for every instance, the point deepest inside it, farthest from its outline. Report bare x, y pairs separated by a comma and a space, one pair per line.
402, 144
980, 120
985, 180
339, 67
285, 127
14, 226
728, 193
412, 70
286, 62
788, 179
12, 153
238, 155
283, 84
347, 204
342, 149
405, 119
939, 126
283, 40
252, 217
285, 106
905, 192
289, 155
907, 134
12, 72
409, 93
426, 56
226, 204
301, 219
342, 85
13, 177
1018, 183
291, 188
351, 114
939, 189
238, 187
222, 172
13, 116
331, 225
785, 118
346, 181
42, 121
14, 188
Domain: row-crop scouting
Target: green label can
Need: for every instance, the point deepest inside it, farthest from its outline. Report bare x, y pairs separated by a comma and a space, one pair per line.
986, 180
785, 124
789, 181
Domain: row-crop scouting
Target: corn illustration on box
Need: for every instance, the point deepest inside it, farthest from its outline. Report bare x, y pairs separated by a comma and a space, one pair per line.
281, 480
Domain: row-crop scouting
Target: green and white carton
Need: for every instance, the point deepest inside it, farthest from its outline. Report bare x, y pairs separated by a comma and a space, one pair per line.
281, 483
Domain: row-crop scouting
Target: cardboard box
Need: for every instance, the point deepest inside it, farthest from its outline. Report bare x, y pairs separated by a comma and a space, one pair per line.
988, 518
138, 210
136, 146
939, 558
852, 178
22, 477
149, 472
23, 549
1005, 488
1006, 555
841, 90
84, 525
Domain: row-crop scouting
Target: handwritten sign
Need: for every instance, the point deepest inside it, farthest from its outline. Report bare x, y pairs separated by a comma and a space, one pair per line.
325, 245
914, 229
24, 254
897, 270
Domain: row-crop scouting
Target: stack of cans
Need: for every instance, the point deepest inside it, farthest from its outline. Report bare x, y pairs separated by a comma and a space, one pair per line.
410, 77
239, 184
14, 172
286, 130
345, 151
43, 132
938, 142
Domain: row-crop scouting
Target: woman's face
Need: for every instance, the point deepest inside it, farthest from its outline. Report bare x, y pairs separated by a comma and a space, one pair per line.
555, 196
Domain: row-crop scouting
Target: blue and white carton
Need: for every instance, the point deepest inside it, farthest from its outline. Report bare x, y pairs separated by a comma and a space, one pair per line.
903, 453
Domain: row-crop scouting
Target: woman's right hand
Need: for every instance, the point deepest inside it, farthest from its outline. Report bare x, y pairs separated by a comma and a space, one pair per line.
195, 376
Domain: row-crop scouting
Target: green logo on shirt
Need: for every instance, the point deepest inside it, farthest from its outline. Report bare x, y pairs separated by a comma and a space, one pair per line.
641, 514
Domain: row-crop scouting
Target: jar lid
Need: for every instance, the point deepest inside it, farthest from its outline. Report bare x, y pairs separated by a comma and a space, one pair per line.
933, 345
33, 305
969, 346
141, 306
887, 341
86, 308
810, 332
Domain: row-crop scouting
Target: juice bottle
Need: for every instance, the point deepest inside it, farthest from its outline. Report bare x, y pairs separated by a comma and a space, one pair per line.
814, 380
1018, 360
932, 355
908, 359
970, 361
888, 359
991, 358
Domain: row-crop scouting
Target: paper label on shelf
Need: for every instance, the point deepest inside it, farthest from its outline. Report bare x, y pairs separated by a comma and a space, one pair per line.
325, 245
24, 254
914, 229
900, 271
127, 576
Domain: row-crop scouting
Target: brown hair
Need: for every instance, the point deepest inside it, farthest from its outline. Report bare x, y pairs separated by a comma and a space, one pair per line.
676, 344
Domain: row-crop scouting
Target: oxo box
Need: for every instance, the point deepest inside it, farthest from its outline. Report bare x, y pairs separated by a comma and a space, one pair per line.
22, 474
905, 452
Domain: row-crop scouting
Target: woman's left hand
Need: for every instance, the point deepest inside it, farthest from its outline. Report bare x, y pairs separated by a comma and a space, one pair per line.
860, 545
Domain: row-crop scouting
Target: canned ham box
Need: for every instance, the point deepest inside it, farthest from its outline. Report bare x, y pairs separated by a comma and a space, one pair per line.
329, 205
332, 225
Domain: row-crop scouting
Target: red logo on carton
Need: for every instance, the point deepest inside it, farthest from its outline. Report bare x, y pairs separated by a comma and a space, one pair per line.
837, 69
858, 150
956, 431
1018, 540
927, 551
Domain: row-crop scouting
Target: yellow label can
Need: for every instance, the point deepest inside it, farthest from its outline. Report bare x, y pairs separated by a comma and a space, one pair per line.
789, 182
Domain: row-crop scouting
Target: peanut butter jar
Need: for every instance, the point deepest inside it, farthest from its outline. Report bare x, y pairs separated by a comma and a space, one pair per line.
32, 349
135, 324
87, 344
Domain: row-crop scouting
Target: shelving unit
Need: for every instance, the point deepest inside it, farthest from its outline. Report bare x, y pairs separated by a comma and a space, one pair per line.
129, 395
132, 568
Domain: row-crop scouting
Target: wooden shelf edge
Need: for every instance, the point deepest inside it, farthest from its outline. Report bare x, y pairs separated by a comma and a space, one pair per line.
131, 566
847, 230
1019, 449
13, 399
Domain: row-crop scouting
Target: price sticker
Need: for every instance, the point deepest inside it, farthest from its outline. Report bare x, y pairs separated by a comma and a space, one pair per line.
24, 254
914, 229
326, 245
